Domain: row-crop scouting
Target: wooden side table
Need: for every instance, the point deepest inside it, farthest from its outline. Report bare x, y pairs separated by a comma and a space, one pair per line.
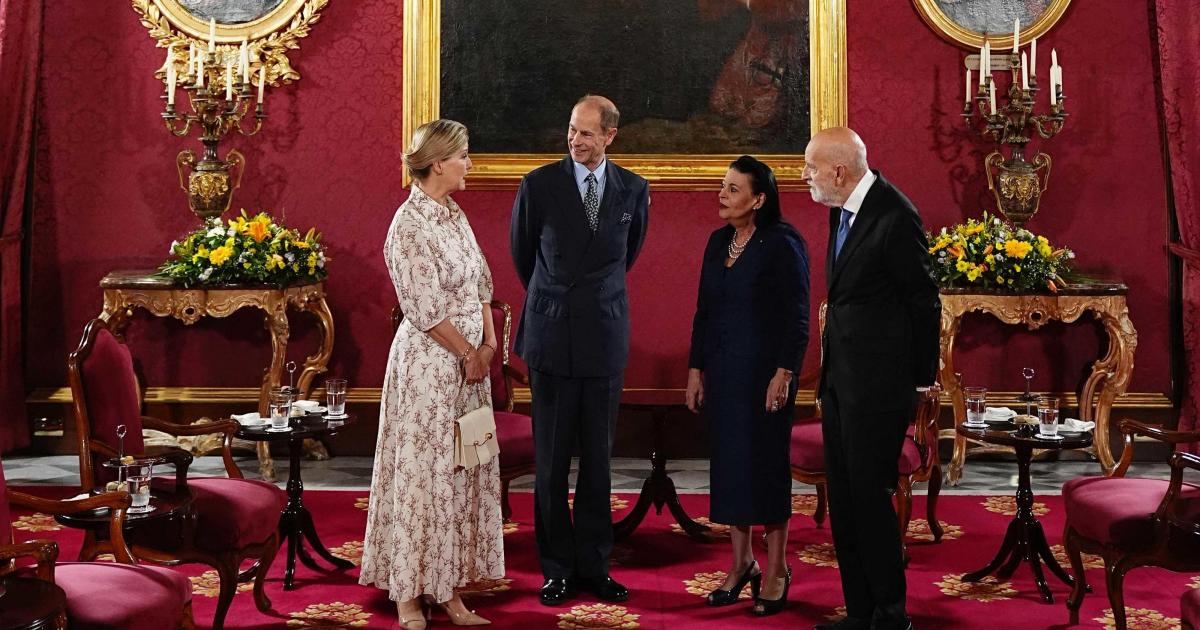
1110, 374
28, 603
125, 291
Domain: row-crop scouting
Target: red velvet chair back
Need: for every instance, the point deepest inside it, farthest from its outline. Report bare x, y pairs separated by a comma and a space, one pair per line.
6, 537
105, 388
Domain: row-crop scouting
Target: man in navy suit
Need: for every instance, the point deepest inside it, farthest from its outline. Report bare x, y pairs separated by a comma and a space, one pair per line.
577, 227
880, 343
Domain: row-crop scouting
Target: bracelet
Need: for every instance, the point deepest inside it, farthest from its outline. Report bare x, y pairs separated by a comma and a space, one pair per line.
489, 346
465, 353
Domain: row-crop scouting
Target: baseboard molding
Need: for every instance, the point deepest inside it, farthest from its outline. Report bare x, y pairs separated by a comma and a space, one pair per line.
805, 397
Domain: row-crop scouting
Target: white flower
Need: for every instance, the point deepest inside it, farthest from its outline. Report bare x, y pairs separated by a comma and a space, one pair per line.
230, 231
204, 275
1070, 254
999, 257
290, 257
215, 232
174, 244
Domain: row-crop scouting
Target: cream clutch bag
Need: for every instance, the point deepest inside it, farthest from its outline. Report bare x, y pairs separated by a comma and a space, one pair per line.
475, 440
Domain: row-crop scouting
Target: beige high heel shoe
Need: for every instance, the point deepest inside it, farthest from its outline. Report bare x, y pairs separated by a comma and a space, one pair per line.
413, 620
463, 617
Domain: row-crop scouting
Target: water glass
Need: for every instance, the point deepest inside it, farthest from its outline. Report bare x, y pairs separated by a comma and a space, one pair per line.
1047, 416
976, 405
137, 482
280, 408
335, 397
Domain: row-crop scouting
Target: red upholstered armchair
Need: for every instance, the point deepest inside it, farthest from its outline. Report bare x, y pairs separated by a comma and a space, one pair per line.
515, 429
1134, 523
122, 596
232, 519
919, 459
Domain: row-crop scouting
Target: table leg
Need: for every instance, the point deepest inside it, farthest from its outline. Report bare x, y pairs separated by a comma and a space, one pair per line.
659, 490
1110, 375
953, 388
316, 364
296, 524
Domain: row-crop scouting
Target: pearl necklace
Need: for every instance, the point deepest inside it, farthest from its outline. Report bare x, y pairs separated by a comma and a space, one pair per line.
736, 250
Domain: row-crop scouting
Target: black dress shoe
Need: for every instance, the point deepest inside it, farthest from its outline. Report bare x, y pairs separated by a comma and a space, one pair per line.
604, 588
556, 591
724, 597
848, 623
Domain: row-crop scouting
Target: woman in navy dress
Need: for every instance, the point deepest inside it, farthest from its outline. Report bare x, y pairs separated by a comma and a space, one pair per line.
748, 341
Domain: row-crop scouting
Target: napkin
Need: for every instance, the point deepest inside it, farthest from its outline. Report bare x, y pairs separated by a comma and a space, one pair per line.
998, 414
248, 418
1072, 424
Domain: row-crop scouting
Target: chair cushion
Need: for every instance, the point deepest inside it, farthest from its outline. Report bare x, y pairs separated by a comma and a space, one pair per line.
110, 391
516, 439
1189, 608
808, 447
1116, 510
233, 513
110, 596
910, 457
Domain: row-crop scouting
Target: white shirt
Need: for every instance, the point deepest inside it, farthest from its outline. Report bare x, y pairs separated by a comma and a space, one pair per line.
855, 200
581, 173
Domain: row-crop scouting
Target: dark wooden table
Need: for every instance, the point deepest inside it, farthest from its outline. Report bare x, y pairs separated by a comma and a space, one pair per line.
168, 502
31, 604
1025, 539
295, 521
658, 489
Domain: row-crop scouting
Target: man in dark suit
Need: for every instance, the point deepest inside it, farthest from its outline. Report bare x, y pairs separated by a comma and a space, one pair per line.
880, 344
577, 227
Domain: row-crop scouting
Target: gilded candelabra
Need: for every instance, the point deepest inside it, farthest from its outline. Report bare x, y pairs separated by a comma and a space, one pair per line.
218, 99
1018, 187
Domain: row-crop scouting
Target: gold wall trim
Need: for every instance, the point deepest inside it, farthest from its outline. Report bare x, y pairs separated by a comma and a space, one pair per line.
503, 171
371, 395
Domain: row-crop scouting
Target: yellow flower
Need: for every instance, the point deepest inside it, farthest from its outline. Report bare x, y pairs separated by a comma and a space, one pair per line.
258, 231
990, 259
220, 254
300, 244
973, 274
973, 228
1017, 268
1016, 249
999, 279
296, 267
962, 265
239, 224
246, 265
200, 253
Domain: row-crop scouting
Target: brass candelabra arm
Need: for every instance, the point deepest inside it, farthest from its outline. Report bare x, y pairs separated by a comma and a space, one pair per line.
1048, 125
259, 117
170, 118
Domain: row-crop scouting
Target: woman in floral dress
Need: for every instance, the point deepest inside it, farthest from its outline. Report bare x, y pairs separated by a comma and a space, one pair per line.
432, 527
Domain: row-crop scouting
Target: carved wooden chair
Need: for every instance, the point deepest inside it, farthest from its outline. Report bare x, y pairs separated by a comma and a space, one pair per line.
232, 519
1131, 522
122, 596
919, 459
515, 429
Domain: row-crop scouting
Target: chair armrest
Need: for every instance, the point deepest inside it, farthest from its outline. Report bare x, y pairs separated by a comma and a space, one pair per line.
516, 375
44, 552
1168, 513
1132, 428
117, 502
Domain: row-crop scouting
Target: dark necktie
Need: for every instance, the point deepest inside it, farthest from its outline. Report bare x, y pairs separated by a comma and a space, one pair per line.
843, 230
591, 202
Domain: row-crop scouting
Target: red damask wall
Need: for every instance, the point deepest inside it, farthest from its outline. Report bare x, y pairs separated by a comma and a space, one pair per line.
107, 195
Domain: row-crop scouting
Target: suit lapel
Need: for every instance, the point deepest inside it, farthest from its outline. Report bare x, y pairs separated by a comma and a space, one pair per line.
567, 195
614, 189
833, 227
864, 222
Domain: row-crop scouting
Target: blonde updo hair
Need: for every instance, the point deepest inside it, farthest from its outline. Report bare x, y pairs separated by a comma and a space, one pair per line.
433, 142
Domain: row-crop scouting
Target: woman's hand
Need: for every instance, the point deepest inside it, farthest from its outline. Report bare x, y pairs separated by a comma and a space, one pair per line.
777, 390
475, 366
695, 390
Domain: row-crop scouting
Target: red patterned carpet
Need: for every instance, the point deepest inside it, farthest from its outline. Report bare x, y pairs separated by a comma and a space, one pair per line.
669, 573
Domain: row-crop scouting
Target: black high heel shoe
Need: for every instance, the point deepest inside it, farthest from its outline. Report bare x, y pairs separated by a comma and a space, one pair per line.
768, 607
725, 597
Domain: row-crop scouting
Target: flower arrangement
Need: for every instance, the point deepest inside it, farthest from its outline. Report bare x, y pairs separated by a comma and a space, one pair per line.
993, 254
249, 250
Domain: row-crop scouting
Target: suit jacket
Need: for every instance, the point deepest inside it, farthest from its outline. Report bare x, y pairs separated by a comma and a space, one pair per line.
575, 321
882, 325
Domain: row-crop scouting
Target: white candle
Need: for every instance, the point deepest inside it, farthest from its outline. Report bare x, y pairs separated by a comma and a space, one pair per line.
1053, 57
968, 86
170, 81
262, 81
1053, 92
1016, 34
199, 73
1024, 73
1033, 58
212, 35
244, 63
992, 98
191, 56
229, 79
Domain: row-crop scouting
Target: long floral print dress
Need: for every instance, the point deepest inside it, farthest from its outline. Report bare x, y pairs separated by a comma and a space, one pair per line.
431, 527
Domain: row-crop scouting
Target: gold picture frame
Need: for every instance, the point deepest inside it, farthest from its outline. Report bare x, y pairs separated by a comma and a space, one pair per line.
269, 35
827, 101
935, 15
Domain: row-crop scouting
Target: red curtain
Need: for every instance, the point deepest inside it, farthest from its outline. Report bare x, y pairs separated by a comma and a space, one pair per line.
20, 51
1178, 31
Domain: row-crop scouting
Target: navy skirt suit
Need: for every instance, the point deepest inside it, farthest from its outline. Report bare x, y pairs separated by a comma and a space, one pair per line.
751, 318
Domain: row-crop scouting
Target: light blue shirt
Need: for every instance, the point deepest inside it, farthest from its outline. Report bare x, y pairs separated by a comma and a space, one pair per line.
581, 173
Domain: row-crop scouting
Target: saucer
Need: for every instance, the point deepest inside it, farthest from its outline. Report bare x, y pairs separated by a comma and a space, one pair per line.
279, 430
341, 417
1048, 437
969, 425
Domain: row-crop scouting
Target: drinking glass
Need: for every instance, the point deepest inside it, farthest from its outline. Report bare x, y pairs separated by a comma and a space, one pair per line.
1047, 416
137, 482
335, 397
976, 405
280, 408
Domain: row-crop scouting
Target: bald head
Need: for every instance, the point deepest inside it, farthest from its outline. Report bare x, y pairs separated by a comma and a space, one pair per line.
609, 116
834, 162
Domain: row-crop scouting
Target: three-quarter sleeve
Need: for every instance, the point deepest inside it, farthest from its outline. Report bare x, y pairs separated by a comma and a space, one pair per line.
791, 263
486, 287
415, 270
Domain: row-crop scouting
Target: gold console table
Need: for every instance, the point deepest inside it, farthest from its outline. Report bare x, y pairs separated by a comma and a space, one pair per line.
1110, 374
125, 291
